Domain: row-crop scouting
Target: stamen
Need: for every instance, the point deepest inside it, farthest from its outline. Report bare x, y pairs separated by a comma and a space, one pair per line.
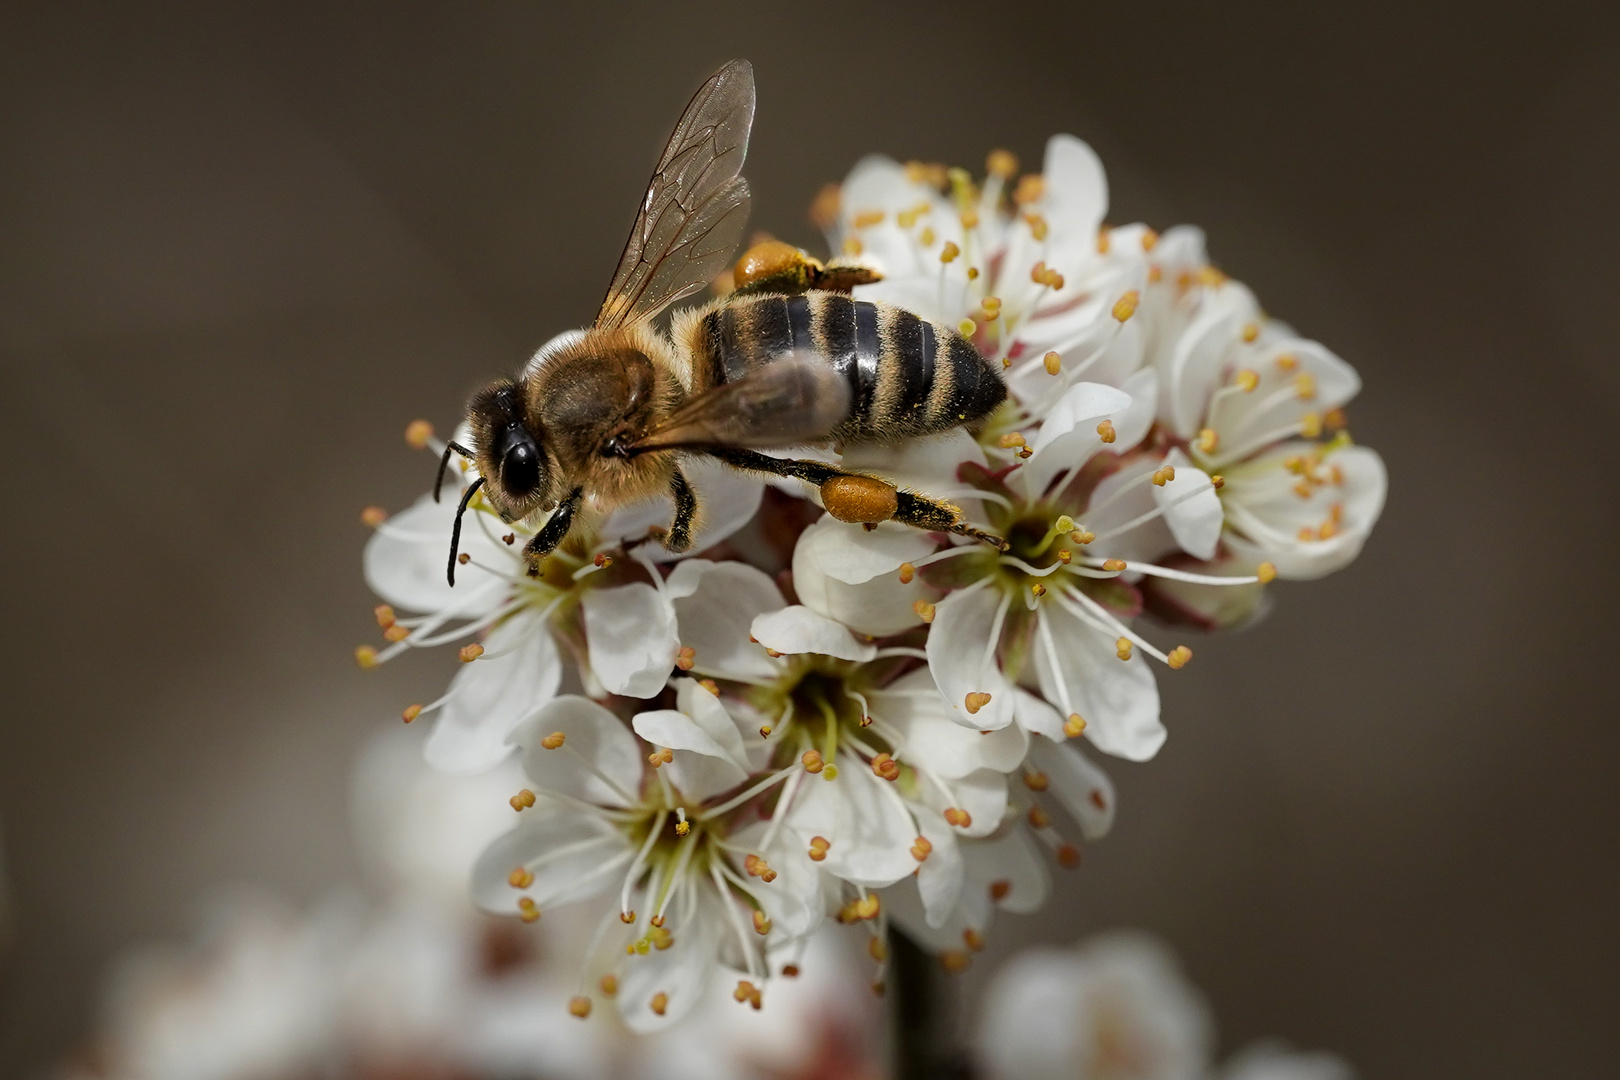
818, 848
1178, 657
924, 610
1074, 726
1106, 432
553, 741
1125, 307
762, 923
373, 516
609, 985
921, 849
522, 800
580, 1006
417, 434
365, 656
686, 658
954, 961
958, 817
469, 653
528, 911
659, 1003
1122, 648
411, 713
1053, 362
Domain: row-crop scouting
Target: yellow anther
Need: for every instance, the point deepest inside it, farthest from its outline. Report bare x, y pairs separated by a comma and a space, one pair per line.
772, 653
1334, 419
627, 917
867, 218
659, 1002
686, 657
1163, 475
528, 910
926, 238
921, 849
580, 1006
1064, 555
924, 610
1012, 439
967, 328
660, 757
957, 817
1082, 536
1038, 818
608, 984
991, 303
602, 561
1250, 331
1106, 432
765, 731
1031, 186
365, 656
1074, 725
970, 219
522, 800
1104, 240
1295, 463
973, 273
1002, 164
411, 713
818, 848
975, 701
1336, 513
949, 252
1068, 856
1303, 489
954, 961
469, 653
417, 434
999, 889
762, 924
1266, 572
1211, 277
1038, 228
1122, 648
373, 516
824, 207
1208, 439
906, 218
1053, 363
744, 989
396, 633
1113, 565
554, 740
1328, 530
1306, 534
1304, 386
885, 767
973, 939
1125, 306
1150, 239
1310, 425
1179, 656
1217, 481
384, 614
877, 949
812, 762
852, 246
1247, 380
521, 878
682, 828
1038, 589
1287, 362
656, 920
1155, 275
710, 685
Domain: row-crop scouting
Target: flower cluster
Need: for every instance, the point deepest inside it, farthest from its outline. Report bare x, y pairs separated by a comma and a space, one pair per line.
811, 719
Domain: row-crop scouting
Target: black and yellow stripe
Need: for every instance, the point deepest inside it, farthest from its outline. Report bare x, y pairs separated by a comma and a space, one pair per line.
907, 377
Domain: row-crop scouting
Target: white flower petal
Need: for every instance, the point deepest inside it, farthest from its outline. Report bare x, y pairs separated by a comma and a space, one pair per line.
865, 819
880, 605
962, 656
1068, 437
701, 767
727, 499
797, 629
1013, 860
1199, 358
1037, 717
1076, 195
705, 709
1269, 1060
406, 557
519, 671
592, 733
940, 877
793, 900
931, 740
854, 555
981, 793
716, 603
573, 855
681, 972
631, 632
1085, 791
1195, 520
1266, 516
1118, 699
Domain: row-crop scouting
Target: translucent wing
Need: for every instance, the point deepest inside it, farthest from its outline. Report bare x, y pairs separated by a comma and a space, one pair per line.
796, 400
696, 204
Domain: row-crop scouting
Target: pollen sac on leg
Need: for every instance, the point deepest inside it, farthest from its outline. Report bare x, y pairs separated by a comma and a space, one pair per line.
861, 500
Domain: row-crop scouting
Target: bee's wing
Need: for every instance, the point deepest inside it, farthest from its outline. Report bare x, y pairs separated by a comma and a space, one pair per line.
696, 204
796, 400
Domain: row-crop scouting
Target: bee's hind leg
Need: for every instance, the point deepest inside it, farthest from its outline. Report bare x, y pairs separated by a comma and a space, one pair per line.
863, 500
678, 537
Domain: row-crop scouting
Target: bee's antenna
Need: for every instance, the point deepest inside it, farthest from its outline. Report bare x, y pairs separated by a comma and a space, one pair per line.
444, 463
455, 530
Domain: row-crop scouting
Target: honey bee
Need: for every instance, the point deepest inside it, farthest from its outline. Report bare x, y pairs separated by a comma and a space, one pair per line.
786, 359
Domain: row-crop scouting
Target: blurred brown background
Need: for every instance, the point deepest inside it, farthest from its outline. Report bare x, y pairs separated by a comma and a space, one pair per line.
240, 248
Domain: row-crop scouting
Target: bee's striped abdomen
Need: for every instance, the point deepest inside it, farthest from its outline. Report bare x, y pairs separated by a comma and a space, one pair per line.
906, 377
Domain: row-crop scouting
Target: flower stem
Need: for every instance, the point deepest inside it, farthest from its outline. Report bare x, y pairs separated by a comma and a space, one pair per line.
920, 1035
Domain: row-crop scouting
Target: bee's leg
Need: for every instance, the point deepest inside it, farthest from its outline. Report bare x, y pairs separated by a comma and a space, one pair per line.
861, 499
551, 534
678, 537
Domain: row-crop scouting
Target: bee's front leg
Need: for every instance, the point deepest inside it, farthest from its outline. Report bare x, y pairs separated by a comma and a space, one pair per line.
551, 534
678, 537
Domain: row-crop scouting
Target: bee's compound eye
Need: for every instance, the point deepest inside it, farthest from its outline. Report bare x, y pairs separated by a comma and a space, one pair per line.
520, 468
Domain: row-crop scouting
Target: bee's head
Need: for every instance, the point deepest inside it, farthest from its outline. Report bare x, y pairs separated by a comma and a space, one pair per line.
511, 452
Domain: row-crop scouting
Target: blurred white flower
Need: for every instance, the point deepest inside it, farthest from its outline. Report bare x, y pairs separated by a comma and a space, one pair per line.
1116, 1007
